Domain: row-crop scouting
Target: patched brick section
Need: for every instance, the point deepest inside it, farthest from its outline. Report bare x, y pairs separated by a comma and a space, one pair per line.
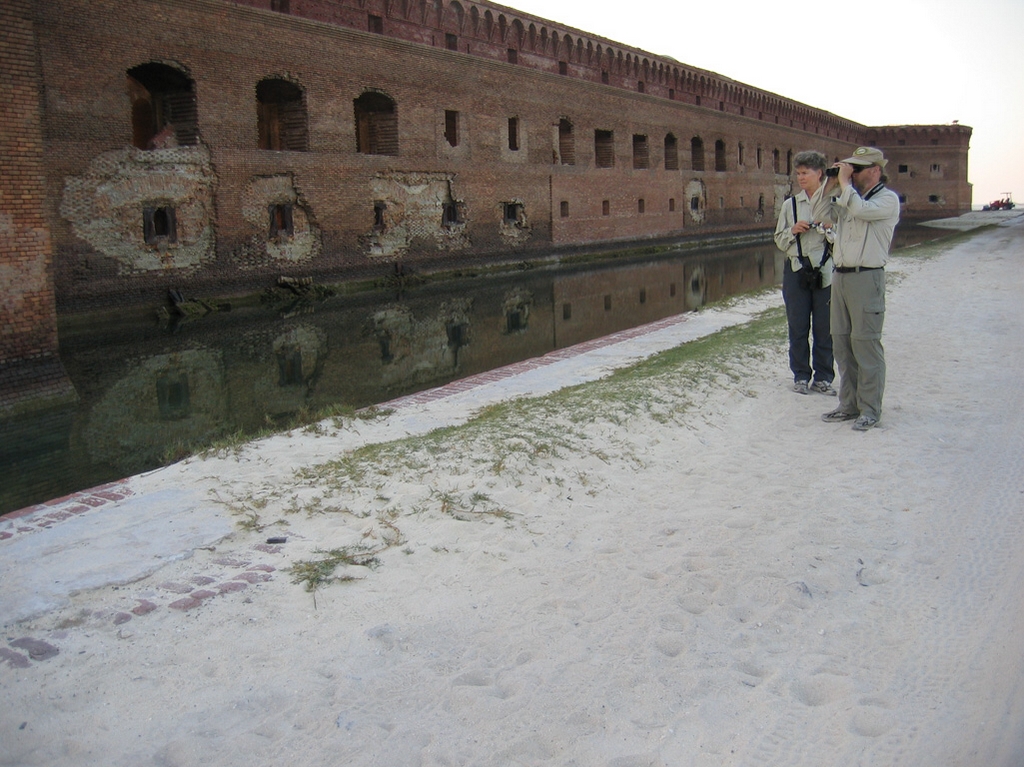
105, 206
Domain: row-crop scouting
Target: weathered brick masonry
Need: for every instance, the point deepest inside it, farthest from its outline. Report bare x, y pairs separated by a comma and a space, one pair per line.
210, 146
28, 318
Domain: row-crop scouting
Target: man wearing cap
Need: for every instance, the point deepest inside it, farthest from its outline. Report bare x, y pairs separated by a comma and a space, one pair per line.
865, 214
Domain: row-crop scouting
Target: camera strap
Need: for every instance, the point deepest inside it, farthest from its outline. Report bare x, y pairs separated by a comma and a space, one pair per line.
799, 248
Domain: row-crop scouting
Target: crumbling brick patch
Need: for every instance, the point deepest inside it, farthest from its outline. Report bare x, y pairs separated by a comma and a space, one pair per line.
106, 206
697, 200
416, 207
302, 241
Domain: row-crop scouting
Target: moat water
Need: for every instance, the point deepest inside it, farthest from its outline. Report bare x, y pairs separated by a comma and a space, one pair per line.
148, 391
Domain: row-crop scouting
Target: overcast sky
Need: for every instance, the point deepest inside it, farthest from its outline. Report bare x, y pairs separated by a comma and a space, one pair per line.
877, 62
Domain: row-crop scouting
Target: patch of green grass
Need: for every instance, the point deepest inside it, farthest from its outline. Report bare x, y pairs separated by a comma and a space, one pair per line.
316, 573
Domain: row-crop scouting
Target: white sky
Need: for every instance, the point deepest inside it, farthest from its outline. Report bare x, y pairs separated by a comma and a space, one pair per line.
877, 62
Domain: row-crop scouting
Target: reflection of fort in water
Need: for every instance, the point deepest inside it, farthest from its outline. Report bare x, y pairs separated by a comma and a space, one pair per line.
142, 388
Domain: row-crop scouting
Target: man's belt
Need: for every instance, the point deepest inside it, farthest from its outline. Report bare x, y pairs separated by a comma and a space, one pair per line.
848, 269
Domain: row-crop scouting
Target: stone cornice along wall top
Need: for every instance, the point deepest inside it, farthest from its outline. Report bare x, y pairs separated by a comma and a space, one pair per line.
504, 34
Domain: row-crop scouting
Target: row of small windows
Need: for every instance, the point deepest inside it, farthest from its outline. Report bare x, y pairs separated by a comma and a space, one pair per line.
641, 206
164, 114
159, 223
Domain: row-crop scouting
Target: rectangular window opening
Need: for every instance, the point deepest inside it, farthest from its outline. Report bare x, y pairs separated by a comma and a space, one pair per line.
281, 224
671, 204
375, 24
563, 208
379, 206
607, 303
604, 149
566, 311
640, 205
643, 295
449, 214
159, 225
513, 134
451, 127
451, 42
513, 56
606, 207
513, 212
563, 67
641, 153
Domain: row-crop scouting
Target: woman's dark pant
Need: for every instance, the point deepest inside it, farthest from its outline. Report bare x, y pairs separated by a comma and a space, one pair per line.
807, 313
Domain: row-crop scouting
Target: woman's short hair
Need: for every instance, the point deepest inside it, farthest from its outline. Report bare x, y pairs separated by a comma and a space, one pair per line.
810, 159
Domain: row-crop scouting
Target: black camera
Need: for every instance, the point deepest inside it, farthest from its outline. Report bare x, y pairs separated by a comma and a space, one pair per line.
831, 172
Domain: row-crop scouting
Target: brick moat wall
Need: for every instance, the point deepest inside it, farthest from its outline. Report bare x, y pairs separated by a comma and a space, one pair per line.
28, 321
210, 146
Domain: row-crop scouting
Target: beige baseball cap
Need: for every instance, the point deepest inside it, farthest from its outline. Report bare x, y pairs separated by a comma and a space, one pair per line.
867, 155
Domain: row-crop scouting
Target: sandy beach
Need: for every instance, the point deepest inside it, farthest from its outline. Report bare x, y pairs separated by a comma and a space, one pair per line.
645, 552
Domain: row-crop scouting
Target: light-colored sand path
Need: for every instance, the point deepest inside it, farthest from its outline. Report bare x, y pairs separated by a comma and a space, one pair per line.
737, 583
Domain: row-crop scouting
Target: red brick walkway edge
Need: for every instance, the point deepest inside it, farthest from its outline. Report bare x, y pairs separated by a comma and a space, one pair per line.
508, 371
31, 519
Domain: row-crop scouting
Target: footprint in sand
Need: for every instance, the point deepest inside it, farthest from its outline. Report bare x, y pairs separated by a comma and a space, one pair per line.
751, 674
821, 689
695, 604
670, 645
872, 719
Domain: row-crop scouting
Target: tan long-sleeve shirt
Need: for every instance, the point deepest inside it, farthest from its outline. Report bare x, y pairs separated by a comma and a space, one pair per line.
864, 226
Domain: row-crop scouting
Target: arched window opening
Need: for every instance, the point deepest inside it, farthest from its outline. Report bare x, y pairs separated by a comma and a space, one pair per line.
376, 124
163, 107
720, 156
604, 148
566, 144
671, 153
281, 116
697, 153
641, 153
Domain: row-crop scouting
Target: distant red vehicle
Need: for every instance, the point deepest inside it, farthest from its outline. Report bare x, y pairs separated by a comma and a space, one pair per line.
1006, 203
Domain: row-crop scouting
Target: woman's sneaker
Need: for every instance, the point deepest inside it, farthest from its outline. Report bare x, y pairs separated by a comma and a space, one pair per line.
823, 387
801, 387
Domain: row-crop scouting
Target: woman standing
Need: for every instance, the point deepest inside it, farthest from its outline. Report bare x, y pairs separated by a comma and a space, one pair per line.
807, 280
